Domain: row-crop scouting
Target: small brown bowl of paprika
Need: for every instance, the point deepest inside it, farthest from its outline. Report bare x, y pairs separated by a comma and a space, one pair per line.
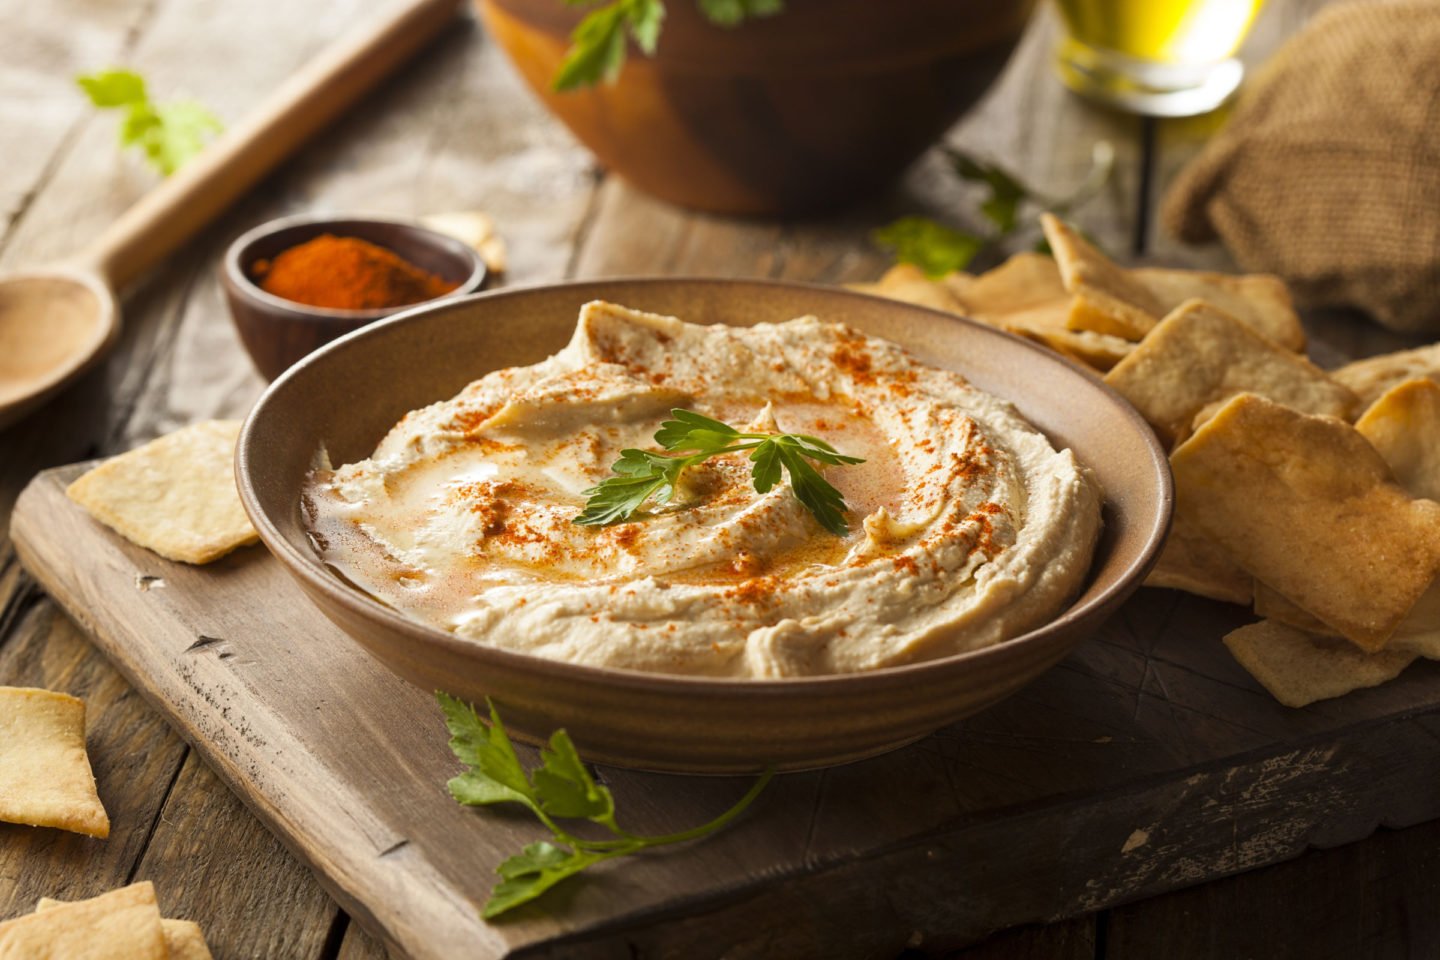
295, 284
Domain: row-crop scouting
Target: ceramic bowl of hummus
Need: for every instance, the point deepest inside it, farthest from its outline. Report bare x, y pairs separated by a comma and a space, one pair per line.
895, 518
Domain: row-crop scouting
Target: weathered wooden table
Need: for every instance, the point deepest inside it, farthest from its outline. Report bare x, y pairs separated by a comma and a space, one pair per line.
456, 131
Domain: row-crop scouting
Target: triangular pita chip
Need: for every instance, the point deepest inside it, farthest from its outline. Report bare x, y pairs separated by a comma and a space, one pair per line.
1258, 300
908, 284
1299, 668
1129, 302
1192, 562
1106, 299
1199, 357
184, 940
1404, 426
1306, 505
123, 924
1371, 377
1025, 296
45, 778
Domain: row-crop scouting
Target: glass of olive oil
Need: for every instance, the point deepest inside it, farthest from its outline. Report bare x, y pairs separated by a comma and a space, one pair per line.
1164, 58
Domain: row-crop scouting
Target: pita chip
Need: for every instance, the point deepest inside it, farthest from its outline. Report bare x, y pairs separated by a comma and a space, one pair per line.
1025, 296
1272, 605
184, 940
1128, 303
1199, 357
1192, 562
1419, 632
1373, 376
1105, 298
909, 284
1022, 282
1098, 351
175, 495
1258, 300
1306, 505
45, 777
123, 924
1299, 668
1404, 426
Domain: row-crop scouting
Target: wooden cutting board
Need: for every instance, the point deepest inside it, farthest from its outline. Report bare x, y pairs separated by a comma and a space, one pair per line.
1145, 762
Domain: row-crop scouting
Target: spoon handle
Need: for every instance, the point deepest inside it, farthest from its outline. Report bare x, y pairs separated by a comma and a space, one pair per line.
193, 196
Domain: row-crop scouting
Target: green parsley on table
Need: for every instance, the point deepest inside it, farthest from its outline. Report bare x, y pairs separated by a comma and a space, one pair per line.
937, 249
641, 475
561, 788
169, 133
597, 46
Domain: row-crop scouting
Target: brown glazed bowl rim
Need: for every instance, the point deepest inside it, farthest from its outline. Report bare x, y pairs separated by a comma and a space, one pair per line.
304, 563
233, 266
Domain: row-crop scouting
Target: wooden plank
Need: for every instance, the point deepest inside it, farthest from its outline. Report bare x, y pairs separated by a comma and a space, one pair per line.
133, 752
40, 105
359, 945
212, 862
1064, 940
179, 361
1375, 899
1148, 760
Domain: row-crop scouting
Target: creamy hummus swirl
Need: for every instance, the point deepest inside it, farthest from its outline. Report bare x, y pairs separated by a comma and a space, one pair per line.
966, 526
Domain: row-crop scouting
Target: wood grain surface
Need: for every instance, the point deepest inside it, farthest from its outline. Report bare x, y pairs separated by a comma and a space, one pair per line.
1146, 762
457, 131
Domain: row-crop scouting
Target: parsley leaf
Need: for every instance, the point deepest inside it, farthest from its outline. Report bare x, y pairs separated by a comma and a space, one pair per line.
114, 88
495, 774
533, 871
641, 475
168, 133
937, 249
597, 45
566, 787
693, 431
819, 497
933, 247
729, 13
1003, 204
561, 787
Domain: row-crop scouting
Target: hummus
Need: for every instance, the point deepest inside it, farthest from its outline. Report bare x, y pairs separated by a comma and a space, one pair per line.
966, 526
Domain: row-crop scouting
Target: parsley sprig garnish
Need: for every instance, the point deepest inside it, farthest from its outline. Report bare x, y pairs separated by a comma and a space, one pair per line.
938, 249
642, 475
597, 46
561, 788
169, 133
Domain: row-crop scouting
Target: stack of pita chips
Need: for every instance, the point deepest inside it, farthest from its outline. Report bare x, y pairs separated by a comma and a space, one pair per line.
1327, 524
123, 924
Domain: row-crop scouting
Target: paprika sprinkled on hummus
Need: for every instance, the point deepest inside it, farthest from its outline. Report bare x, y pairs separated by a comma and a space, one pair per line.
968, 526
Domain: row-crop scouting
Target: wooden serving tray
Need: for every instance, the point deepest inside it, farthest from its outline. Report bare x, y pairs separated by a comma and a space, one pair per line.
1146, 761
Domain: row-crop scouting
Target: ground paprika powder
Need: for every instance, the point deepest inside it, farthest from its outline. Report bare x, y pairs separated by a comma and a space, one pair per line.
347, 273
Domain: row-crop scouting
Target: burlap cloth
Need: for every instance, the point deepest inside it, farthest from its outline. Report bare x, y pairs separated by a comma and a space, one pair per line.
1328, 173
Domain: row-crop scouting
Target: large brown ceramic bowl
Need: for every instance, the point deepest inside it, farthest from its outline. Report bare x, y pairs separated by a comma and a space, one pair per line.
345, 396
794, 113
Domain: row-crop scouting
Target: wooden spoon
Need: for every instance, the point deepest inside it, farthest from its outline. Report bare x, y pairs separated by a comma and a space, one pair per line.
55, 322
